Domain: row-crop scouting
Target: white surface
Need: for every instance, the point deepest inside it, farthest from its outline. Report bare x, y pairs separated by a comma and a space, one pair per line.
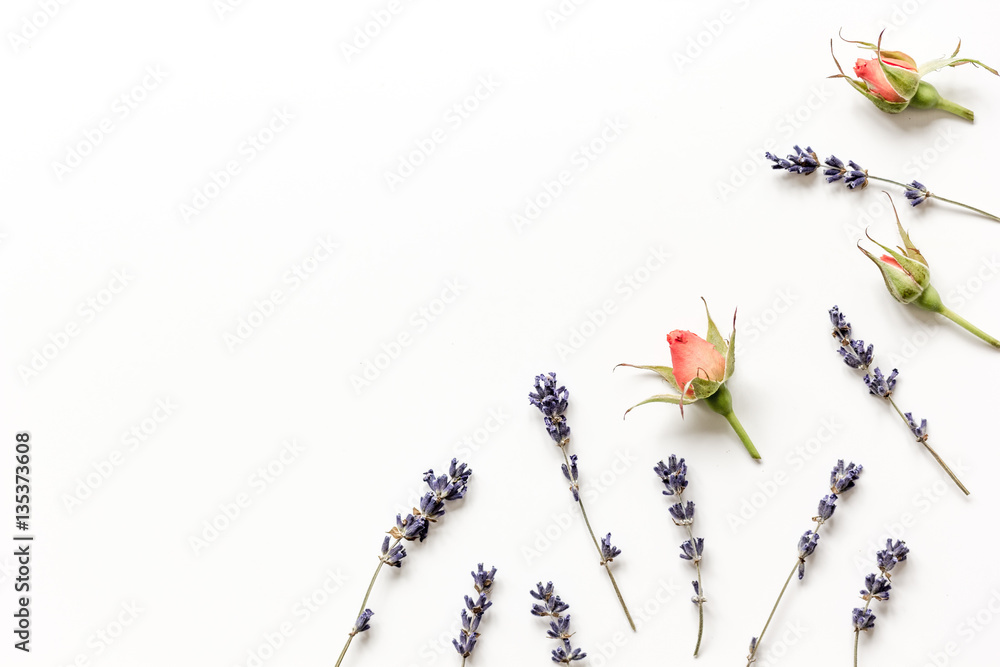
777, 243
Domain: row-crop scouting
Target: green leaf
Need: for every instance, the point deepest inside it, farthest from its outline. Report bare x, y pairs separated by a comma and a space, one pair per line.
714, 337
664, 372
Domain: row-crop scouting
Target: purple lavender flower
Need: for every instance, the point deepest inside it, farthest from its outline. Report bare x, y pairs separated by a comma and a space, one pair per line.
857, 177
559, 628
881, 386
855, 355
892, 555
361, 624
803, 162
919, 432
864, 619
472, 615
483, 580
552, 401
836, 169
843, 477
410, 528
826, 507
392, 556
807, 545
841, 327
683, 514
572, 473
692, 551
608, 551
559, 625
876, 588
673, 474
917, 193
566, 654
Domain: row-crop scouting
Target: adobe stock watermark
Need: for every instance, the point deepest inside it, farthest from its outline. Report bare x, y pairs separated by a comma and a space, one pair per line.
972, 626
786, 126
132, 439
76, 152
259, 481
623, 290
300, 613
793, 633
104, 637
561, 12
591, 488
553, 188
756, 326
703, 40
418, 323
901, 13
365, 33
264, 308
768, 488
87, 311
601, 652
223, 8
31, 25
248, 150
453, 118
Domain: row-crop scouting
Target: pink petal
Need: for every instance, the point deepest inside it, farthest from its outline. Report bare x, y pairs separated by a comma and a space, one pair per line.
692, 356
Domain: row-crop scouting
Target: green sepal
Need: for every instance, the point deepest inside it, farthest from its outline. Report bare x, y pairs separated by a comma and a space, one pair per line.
731, 354
902, 288
704, 388
881, 103
918, 271
713, 336
903, 81
664, 372
952, 61
662, 398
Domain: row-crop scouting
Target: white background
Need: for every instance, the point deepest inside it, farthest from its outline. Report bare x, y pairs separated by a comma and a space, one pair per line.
692, 117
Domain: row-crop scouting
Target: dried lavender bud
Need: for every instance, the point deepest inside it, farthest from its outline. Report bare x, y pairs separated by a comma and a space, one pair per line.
892, 555
572, 473
843, 477
361, 624
392, 556
559, 628
691, 551
876, 588
673, 474
881, 386
826, 507
552, 401
841, 327
807, 545
803, 162
683, 514
919, 432
566, 654
608, 552
864, 619
917, 193
483, 579
856, 177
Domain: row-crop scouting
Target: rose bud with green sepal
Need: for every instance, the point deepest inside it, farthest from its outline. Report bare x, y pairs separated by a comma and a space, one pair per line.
907, 276
700, 371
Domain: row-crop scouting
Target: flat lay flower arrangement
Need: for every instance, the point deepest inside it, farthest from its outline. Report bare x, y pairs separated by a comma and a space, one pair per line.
699, 368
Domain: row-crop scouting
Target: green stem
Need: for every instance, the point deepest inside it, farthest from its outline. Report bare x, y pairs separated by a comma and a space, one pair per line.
364, 602
857, 634
740, 431
968, 326
701, 592
971, 208
957, 109
930, 449
597, 546
753, 653
887, 180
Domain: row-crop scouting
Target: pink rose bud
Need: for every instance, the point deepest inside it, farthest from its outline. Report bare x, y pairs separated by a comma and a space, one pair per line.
701, 367
893, 81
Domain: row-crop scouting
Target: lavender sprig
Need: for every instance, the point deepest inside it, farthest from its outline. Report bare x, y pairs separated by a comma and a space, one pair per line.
472, 615
842, 479
551, 606
673, 474
855, 177
857, 356
414, 527
553, 401
877, 587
